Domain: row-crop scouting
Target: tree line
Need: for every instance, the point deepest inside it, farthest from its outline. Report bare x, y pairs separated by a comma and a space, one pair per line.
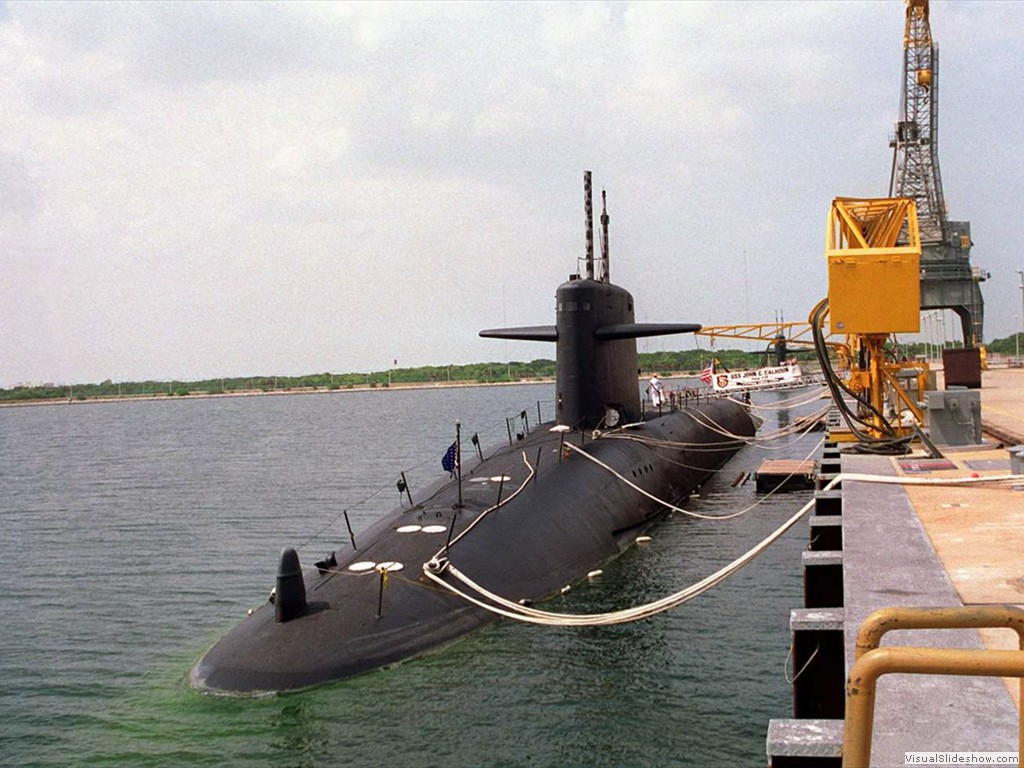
678, 362
492, 372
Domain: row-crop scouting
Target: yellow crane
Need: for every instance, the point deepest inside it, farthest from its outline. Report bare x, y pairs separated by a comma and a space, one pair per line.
873, 249
873, 293
788, 334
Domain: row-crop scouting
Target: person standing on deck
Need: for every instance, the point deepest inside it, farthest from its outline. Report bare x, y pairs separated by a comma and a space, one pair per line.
656, 391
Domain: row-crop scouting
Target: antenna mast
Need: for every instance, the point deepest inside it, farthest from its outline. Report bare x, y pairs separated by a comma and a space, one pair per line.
588, 206
605, 269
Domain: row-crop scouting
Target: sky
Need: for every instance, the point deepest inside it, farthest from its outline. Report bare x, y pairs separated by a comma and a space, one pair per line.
196, 190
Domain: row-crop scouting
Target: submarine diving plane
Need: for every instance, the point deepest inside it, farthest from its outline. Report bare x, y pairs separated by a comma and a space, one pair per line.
534, 517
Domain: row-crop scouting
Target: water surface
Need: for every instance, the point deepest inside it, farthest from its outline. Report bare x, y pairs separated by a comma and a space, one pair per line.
136, 533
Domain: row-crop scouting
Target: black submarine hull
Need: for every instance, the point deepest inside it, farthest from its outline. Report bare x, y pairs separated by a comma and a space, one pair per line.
524, 523
535, 517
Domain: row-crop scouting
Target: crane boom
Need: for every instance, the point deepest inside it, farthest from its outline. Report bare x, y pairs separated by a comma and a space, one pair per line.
948, 281
791, 333
915, 169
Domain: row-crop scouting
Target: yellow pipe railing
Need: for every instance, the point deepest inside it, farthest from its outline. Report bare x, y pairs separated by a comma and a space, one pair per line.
960, 617
872, 662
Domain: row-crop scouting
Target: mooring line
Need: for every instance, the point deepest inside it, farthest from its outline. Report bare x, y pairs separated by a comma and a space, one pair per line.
504, 607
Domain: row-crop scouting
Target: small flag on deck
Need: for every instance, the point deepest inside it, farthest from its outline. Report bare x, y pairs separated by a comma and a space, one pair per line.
450, 461
707, 374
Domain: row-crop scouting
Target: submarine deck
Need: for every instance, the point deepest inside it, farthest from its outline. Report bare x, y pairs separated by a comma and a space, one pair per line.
526, 521
921, 546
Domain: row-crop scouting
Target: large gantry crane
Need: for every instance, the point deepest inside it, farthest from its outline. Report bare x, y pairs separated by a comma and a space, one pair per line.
922, 264
947, 279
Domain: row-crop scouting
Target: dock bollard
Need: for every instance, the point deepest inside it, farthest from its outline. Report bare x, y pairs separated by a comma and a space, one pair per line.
1017, 460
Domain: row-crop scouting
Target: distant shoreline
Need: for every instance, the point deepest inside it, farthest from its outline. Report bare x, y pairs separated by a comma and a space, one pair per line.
268, 392
294, 391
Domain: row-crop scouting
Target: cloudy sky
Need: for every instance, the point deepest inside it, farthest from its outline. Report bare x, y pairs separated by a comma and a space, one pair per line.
193, 190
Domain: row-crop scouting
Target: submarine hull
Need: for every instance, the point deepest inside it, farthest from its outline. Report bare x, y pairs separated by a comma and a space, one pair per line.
554, 517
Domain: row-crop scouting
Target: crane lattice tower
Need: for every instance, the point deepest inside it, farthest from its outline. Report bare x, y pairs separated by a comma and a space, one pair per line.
947, 279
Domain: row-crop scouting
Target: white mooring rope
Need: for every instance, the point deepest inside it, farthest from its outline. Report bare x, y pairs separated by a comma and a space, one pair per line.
504, 607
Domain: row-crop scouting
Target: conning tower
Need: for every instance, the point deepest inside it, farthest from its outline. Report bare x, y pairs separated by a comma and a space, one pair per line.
595, 337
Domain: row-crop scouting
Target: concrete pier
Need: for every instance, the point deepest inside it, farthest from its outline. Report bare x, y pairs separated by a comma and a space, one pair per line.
915, 546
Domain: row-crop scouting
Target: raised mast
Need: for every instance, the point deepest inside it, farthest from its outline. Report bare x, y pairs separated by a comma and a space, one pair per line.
605, 275
588, 205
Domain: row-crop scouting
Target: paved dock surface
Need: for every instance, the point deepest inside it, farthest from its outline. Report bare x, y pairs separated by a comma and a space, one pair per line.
1002, 399
940, 546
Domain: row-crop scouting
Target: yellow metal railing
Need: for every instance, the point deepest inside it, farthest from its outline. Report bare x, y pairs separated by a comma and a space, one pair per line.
965, 617
872, 662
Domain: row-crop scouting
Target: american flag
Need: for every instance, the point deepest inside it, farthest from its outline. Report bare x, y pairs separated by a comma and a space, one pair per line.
450, 460
707, 374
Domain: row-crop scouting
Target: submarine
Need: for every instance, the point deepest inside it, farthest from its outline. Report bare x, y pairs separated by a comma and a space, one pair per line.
524, 522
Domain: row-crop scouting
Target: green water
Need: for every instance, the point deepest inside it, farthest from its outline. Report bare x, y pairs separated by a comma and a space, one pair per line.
136, 533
